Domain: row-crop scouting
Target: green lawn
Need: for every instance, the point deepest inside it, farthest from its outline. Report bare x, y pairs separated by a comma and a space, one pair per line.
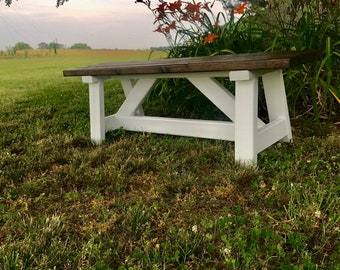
145, 201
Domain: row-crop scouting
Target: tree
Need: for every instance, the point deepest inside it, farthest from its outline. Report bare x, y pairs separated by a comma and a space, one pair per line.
22, 46
55, 45
82, 46
42, 45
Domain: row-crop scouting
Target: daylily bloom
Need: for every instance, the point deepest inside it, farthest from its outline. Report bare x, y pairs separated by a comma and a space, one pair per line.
161, 8
169, 27
159, 29
166, 29
210, 38
175, 6
240, 9
196, 17
184, 18
173, 25
193, 8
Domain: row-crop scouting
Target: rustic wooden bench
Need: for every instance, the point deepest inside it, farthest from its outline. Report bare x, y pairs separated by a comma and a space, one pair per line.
250, 134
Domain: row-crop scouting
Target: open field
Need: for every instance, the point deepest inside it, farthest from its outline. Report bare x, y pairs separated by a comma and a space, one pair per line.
145, 201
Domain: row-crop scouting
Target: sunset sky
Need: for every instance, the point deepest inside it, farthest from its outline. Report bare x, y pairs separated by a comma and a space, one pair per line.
109, 24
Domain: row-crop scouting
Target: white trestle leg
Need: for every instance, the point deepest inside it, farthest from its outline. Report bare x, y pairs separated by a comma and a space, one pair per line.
217, 94
135, 97
276, 100
246, 104
128, 85
97, 115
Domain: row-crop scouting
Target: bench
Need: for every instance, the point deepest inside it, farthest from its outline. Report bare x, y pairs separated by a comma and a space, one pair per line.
250, 134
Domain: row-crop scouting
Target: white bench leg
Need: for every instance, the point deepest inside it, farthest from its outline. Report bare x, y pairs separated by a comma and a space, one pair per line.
128, 85
246, 107
276, 100
97, 115
136, 95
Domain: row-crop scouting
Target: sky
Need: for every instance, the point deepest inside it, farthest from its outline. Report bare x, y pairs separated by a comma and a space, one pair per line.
101, 24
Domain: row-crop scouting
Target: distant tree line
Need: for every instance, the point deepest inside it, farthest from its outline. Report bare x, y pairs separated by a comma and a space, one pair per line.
52, 46
160, 48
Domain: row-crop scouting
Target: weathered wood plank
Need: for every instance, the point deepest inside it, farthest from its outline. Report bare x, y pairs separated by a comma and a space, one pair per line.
249, 61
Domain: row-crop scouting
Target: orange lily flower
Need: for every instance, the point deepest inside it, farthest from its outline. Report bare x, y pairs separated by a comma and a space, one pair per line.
210, 38
240, 9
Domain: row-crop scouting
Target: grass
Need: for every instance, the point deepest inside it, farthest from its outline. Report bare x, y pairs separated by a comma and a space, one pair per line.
145, 201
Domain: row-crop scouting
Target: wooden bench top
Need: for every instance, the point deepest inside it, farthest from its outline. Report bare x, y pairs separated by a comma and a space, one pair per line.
232, 62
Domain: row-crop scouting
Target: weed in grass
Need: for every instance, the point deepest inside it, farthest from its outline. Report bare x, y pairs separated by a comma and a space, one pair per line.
178, 184
136, 219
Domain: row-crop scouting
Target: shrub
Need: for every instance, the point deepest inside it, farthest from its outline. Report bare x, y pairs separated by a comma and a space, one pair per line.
196, 29
299, 25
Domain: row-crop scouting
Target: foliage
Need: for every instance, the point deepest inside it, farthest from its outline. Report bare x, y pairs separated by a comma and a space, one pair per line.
55, 45
22, 46
8, 2
298, 25
143, 201
246, 27
190, 23
42, 45
82, 46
